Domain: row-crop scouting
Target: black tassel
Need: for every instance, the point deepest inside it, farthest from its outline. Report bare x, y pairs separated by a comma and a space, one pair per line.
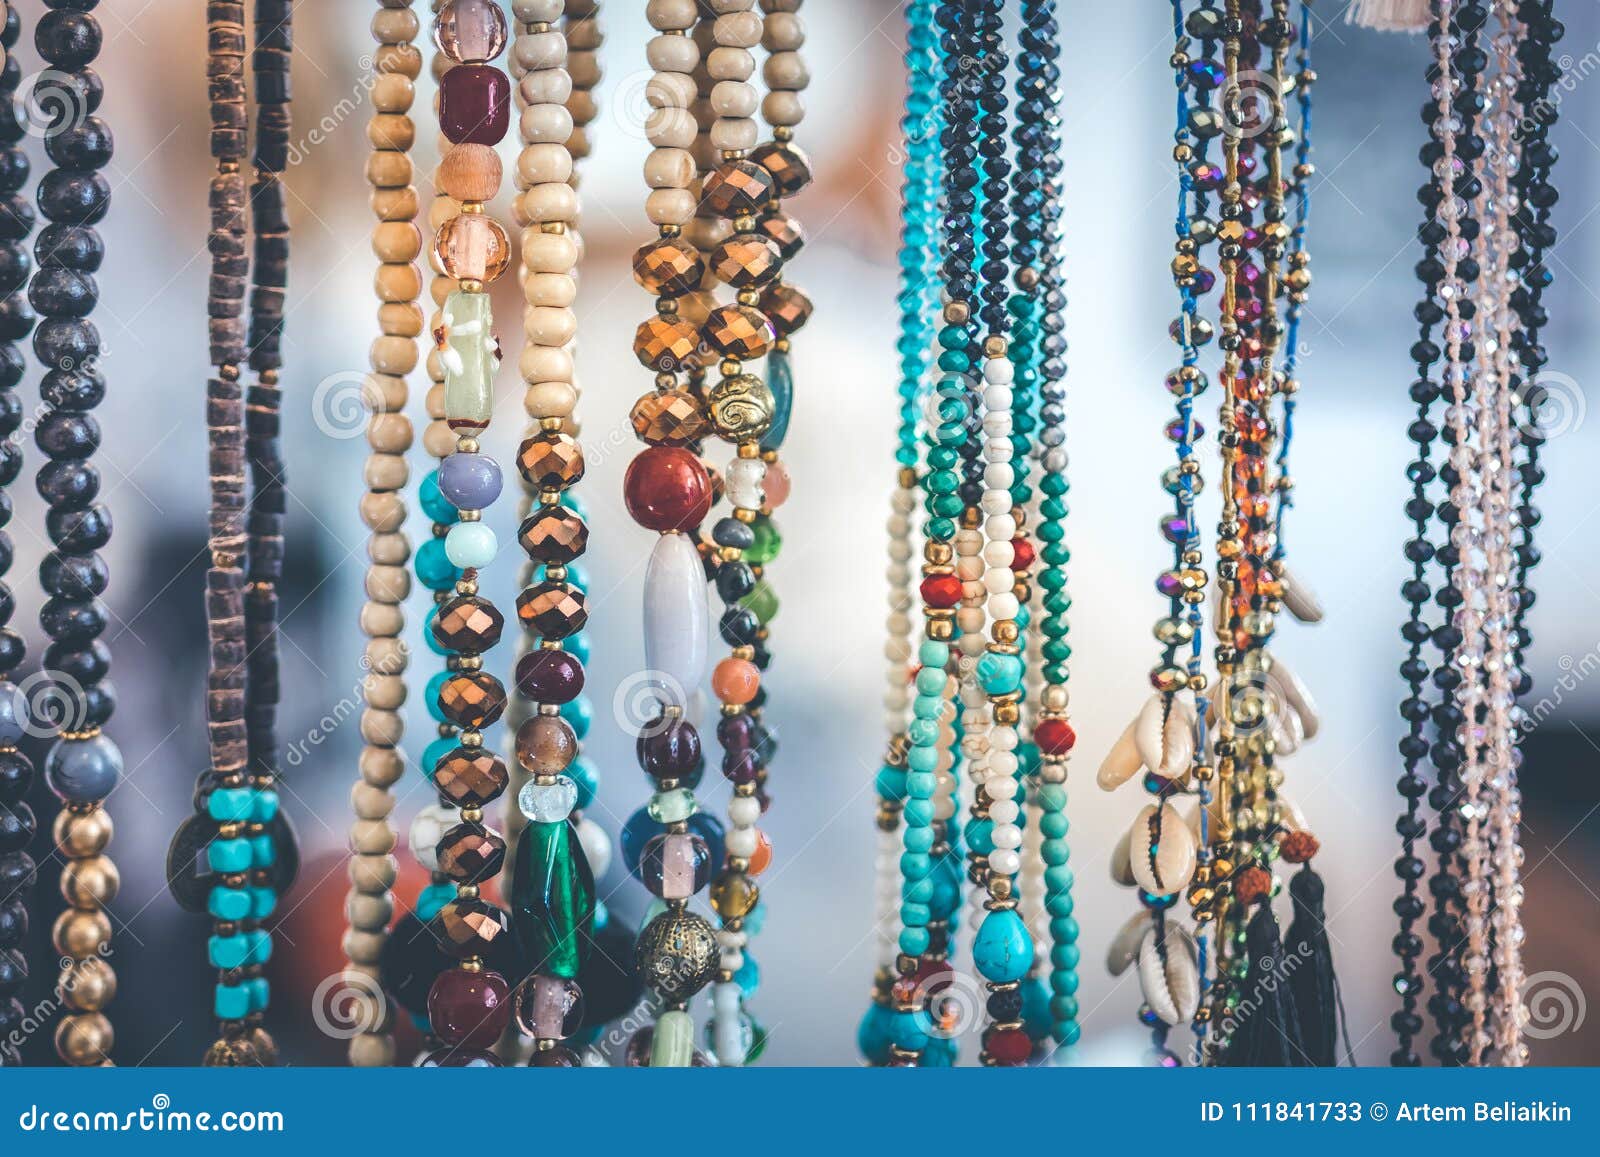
1316, 989
1267, 1034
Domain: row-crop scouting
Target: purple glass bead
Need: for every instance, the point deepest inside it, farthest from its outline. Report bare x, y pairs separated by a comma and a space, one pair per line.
668, 748
470, 481
736, 732
1169, 585
1204, 281
1175, 528
741, 766
474, 105
675, 865
547, 676
549, 1007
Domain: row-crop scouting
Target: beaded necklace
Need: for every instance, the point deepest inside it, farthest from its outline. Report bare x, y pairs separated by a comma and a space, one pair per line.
553, 890
469, 1005
17, 824
397, 242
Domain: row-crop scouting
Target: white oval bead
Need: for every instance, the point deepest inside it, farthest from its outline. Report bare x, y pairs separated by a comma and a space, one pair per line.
596, 846
1004, 861
742, 842
742, 480
998, 370
677, 616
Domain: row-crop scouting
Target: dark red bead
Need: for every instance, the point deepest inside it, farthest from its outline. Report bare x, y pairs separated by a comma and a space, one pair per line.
941, 591
668, 749
741, 766
667, 488
1008, 1046
1054, 736
547, 676
1021, 554
475, 105
469, 1008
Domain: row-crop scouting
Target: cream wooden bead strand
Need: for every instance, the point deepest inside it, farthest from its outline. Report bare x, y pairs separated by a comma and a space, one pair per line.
397, 242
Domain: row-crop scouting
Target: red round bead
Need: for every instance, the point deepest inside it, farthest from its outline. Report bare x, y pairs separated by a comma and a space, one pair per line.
941, 591
475, 105
1008, 1046
1022, 555
469, 1009
1054, 736
667, 488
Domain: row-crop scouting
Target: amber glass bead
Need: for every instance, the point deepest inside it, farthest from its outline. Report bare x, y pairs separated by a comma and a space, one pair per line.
666, 344
737, 188
786, 307
471, 777
472, 699
550, 460
669, 266
553, 534
470, 31
672, 418
734, 895
667, 488
552, 610
475, 105
786, 164
471, 853
473, 247
470, 927
745, 260
469, 625
739, 331
785, 233
546, 745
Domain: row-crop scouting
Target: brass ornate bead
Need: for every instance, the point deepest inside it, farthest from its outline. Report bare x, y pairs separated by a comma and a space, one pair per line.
677, 954
79, 933
88, 985
89, 883
85, 1039
81, 834
741, 407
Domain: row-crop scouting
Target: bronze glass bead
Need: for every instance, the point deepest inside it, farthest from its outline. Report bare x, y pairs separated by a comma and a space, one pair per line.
734, 895
666, 343
553, 535
677, 955
469, 625
785, 232
471, 853
472, 699
550, 460
669, 266
469, 926
471, 777
85, 1039
736, 189
739, 331
673, 418
745, 260
546, 745
786, 164
787, 308
552, 610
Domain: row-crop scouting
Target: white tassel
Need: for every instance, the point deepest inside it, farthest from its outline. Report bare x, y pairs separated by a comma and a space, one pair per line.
1389, 15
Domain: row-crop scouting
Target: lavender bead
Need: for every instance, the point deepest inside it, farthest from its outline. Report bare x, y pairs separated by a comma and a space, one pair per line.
83, 770
470, 481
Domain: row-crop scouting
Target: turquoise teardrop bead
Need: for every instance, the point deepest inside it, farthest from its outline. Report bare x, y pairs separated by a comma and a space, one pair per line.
1002, 949
872, 1034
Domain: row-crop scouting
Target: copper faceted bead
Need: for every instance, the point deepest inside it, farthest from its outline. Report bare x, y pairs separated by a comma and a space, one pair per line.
552, 610
786, 164
472, 699
786, 307
739, 331
746, 259
553, 534
469, 625
736, 189
673, 418
471, 777
469, 927
550, 460
471, 853
785, 232
666, 344
669, 266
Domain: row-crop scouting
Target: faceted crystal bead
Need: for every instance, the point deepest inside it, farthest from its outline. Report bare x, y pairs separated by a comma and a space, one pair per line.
666, 344
471, 777
470, 31
675, 865
550, 460
469, 625
740, 408
549, 1007
473, 247
739, 331
673, 418
471, 853
677, 616
553, 899
472, 699
552, 610
669, 267
470, 927
553, 534
475, 105
736, 189
785, 232
467, 350
548, 803
746, 259
787, 308
546, 745
786, 164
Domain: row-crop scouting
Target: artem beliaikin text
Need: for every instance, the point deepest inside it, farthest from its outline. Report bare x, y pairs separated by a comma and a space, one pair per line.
1490, 1111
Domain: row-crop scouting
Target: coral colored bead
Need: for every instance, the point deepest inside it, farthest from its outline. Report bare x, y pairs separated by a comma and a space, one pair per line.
735, 681
763, 855
667, 488
776, 484
1054, 736
941, 590
1021, 554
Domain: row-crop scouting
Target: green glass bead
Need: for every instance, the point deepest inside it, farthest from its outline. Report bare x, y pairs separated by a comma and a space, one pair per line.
763, 601
552, 899
469, 362
672, 1043
768, 542
670, 807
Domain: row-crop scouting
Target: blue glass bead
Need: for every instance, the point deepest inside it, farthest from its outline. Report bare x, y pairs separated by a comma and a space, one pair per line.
263, 902
227, 951
435, 752
980, 835
570, 499
1063, 979
915, 865
228, 903
232, 1002
1064, 1007
1002, 951
940, 1053
891, 783
602, 914
1067, 1032
577, 646
917, 811
430, 696
1036, 1008
748, 978
757, 920
999, 673
433, 566
469, 481
946, 887
780, 381
918, 890
433, 502
266, 806
229, 856
915, 915
432, 900
872, 1034
260, 942
231, 805
263, 851
260, 991
1053, 825
578, 713
909, 1030
83, 770
918, 839
471, 545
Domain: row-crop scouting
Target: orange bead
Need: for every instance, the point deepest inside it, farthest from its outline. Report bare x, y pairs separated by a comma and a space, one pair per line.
762, 859
735, 681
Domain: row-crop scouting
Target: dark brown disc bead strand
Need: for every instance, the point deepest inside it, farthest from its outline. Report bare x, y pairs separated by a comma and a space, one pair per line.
18, 827
83, 765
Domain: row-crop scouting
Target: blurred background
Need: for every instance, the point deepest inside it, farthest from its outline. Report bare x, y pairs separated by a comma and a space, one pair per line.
826, 681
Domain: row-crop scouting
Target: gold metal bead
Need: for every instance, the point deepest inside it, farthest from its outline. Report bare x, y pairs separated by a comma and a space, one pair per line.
85, 1039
